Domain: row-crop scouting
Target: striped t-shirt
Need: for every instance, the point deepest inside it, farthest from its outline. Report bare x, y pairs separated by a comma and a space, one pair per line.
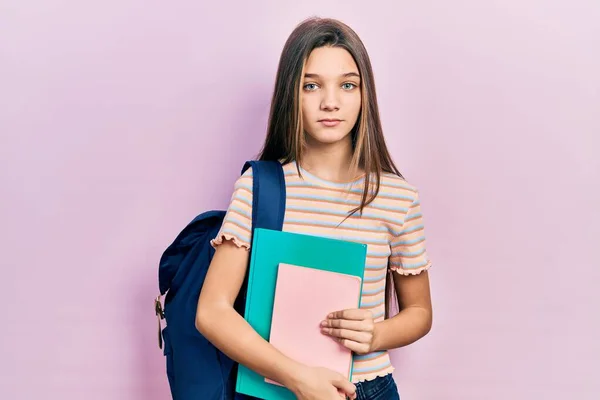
391, 226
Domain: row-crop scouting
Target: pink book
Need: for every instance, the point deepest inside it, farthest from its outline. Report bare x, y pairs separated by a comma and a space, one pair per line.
303, 298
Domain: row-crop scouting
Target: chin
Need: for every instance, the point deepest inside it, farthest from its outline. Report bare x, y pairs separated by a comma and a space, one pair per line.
329, 135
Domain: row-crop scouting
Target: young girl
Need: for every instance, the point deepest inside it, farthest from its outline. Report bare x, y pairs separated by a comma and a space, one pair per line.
341, 183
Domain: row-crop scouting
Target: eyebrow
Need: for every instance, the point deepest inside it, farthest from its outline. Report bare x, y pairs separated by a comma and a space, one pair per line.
349, 74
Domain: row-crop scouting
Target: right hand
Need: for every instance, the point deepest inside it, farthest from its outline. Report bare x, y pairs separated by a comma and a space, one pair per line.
316, 383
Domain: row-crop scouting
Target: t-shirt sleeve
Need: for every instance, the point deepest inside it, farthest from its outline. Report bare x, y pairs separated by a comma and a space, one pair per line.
237, 225
409, 256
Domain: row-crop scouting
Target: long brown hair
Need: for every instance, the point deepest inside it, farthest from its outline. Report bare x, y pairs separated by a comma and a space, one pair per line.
285, 132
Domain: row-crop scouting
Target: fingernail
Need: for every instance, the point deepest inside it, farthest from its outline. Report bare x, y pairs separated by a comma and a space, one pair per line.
323, 323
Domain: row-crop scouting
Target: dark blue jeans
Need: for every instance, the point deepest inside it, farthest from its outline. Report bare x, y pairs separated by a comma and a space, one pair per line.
381, 388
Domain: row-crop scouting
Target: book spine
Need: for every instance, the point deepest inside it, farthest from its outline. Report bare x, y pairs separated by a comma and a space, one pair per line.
242, 372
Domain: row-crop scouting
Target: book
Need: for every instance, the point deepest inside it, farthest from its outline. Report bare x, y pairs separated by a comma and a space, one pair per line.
303, 298
270, 248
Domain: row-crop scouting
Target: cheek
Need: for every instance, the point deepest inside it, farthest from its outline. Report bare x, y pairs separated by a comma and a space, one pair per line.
354, 105
308, 109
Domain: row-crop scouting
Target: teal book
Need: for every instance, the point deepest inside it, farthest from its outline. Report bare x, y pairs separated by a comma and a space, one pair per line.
271, 248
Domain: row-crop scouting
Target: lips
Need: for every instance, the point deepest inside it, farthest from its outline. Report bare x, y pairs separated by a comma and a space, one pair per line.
329, 122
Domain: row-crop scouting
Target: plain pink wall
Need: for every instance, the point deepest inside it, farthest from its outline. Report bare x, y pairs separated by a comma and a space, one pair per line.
120, 120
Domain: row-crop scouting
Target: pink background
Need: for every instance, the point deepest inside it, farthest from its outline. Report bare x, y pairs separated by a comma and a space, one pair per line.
120, 120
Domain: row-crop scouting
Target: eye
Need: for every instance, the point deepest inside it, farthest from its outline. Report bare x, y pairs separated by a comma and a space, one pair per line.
349, 86
310, 87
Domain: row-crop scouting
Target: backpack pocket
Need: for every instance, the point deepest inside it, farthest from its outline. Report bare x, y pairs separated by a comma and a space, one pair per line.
168, 352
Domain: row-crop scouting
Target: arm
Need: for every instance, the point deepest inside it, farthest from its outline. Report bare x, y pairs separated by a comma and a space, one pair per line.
415, 317
408, 265
220, 323
357, 331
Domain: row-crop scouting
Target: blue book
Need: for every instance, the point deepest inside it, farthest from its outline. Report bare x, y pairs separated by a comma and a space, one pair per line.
269, 249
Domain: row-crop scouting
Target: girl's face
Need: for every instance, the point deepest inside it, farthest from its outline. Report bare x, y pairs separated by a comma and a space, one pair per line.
331, 99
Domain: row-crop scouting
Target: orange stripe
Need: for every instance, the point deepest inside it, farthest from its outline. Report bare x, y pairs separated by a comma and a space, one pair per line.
243, 189
371, 206
245, 202
332, 227
359, 361
411, 233
353, 216
373, 282
370, 372
238, 225
415, 256
240, 214
405, 245
363, 240
344, 191
412, 217
372, 307
391, 177
398, 188
376, 257
373, 294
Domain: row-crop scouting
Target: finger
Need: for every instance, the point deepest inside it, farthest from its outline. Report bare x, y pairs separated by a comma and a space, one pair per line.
355, 314
347, 324
345, 397
357, 336
357, 347
345, 386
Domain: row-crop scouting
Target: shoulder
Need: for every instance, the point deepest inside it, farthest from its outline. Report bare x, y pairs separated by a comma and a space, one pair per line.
396, 186
244, 181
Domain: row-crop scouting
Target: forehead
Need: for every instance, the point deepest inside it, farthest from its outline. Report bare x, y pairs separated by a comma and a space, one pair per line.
330, 62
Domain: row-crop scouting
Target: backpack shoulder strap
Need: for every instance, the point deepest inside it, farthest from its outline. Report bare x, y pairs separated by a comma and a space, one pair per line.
268, 194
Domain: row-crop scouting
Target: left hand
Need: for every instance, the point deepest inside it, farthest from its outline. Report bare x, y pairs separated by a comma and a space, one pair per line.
354, 329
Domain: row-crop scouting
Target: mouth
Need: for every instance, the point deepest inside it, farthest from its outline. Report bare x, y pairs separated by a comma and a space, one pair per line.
330, 121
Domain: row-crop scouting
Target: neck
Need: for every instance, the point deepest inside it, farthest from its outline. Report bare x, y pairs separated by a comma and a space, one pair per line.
329, 161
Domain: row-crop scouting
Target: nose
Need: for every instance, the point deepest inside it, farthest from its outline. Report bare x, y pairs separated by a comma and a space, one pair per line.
330, 101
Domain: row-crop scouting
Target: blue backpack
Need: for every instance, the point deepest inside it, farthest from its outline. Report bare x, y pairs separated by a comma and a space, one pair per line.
195, 368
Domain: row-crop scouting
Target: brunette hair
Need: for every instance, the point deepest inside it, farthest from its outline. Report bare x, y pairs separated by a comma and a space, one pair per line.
285, 132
